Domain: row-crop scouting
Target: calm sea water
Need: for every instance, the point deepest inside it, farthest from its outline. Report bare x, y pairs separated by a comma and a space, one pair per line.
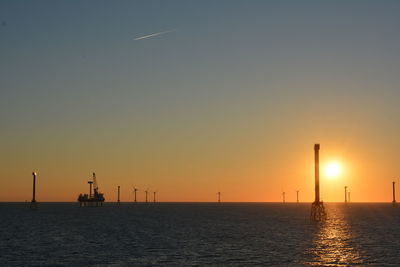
170, 234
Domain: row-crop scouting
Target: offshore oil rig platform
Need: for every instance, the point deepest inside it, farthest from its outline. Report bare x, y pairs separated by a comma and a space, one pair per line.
92, 200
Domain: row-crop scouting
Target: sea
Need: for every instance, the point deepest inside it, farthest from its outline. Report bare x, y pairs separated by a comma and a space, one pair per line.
199, 234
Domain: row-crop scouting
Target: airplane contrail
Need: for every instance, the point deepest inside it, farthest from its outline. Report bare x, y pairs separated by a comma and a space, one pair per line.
152, 35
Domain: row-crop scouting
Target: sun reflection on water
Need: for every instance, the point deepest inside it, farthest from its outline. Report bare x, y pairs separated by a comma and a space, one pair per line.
333, 245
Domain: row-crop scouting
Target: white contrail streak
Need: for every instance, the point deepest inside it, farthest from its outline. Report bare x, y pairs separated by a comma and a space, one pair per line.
152, 35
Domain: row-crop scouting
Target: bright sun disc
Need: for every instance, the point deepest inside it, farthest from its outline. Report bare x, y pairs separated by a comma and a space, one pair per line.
332, 170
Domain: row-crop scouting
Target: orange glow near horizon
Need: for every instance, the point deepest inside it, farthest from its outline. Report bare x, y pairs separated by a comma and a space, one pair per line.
259, 178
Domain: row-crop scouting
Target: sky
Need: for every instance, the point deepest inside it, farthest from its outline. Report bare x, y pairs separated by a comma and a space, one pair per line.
188, 98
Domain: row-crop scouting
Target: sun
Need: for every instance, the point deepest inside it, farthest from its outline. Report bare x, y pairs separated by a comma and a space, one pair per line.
332, 169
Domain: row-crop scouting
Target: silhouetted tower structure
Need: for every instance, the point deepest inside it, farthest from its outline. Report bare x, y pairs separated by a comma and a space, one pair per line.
33, 202
92, 200
317, 208
154, 196
118, 202
297, 196
134, 191
146, 195
283, 197
348, 197
219, 197
90, 188
394, 193
345, 194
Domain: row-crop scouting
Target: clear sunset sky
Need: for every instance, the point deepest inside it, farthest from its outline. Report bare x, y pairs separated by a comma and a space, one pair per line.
230, 97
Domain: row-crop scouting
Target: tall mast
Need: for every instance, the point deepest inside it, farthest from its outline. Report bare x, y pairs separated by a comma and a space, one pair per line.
316, 162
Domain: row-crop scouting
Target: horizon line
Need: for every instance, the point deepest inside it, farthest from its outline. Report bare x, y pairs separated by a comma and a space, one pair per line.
229, 202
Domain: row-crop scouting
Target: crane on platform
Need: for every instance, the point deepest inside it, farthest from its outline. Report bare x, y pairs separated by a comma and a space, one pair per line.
96, 199
95, 187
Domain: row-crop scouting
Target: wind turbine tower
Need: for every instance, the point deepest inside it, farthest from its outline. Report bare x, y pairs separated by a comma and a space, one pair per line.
118, 195
154, 196
297, 196
146, 194
134, 191
219, 197
394, 193
345, 194
318, 212
33, 202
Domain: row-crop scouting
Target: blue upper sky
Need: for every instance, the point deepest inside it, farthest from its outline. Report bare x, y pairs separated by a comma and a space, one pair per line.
74, 57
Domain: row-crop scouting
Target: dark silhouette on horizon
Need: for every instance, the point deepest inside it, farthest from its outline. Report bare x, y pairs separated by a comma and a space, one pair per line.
33, 202
318, 212
90, 200
134, 192
118, 201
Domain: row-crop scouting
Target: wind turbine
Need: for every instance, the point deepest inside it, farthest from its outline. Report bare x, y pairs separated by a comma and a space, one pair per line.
134, 191
118, 195
146, 194
154, 196
283, 195
33, 203
219, 197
